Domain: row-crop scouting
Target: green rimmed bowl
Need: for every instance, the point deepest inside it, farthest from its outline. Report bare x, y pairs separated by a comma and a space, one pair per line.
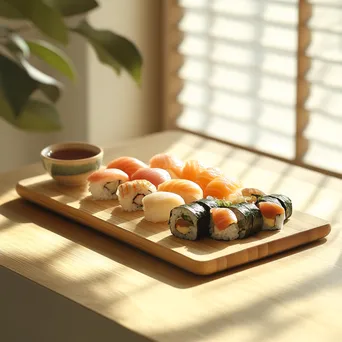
71, 172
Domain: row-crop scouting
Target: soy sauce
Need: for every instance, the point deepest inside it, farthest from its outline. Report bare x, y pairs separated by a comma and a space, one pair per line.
71, 154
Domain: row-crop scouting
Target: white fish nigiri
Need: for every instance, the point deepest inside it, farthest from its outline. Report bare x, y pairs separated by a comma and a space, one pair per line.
157, 206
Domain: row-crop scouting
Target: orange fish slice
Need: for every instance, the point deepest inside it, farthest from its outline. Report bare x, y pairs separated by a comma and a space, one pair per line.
270, 210
207, 175
223, 217
127, 164
221, 188
191, 170
169, 163
187, 189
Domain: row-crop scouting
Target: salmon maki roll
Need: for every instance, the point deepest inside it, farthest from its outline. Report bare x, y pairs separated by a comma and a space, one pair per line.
103, 184
188, 190
222, 188
192, 169
171, 164
205, 176
132, 193
223, 224
154, 175
273, 215
128, 165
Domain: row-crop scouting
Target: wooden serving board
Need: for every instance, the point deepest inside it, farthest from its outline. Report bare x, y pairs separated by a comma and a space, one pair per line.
201, 257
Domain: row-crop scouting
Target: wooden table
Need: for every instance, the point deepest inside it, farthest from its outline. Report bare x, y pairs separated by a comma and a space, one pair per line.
293, 296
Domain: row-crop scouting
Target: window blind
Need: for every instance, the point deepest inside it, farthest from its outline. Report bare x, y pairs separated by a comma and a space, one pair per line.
238, 66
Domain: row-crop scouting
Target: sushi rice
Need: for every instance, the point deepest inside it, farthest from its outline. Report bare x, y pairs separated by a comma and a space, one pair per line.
131, 194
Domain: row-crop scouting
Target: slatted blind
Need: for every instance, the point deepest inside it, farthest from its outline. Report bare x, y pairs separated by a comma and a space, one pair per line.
234, 74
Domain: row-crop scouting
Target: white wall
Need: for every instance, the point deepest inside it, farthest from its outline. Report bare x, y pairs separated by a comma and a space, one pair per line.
101, 108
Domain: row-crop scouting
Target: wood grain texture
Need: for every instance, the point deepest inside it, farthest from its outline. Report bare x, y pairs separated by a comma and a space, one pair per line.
296, 296
203, 257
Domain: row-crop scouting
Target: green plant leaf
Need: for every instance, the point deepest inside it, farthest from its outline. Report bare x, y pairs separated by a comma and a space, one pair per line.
16, 85
72, 7
112, 49
46, 18
47, 84
37, 116
8, 11
52, 56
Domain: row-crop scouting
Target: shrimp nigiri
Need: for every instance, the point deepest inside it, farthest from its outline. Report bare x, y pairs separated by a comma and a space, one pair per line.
169, 163
223, 224
221, 188
191, 170
155, 175
187, 189
104, 183
205, 176
127, 164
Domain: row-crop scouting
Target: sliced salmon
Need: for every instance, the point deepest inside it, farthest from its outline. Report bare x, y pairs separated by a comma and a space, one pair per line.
223, 217
207, 175
192, 169
108, 175
127, 164
187, 189
270, 209
221, 188
169, 163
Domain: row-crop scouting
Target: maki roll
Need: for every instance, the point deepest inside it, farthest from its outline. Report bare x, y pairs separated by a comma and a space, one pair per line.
285, 202
223, 224
190, 222
131, 194
273, 215
249, 219
281, 200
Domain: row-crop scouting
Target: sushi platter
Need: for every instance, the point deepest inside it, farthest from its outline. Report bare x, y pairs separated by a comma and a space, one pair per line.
188, 214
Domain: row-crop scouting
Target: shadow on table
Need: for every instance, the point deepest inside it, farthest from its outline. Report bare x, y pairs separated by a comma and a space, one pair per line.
114, 249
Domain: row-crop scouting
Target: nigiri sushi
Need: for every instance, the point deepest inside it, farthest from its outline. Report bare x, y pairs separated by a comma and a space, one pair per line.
103, 184
127, 164
154, 175
169, 163
222, 188
273, 215
205, 176
131, 194
189, 190
191, 169
223, 224
157, 206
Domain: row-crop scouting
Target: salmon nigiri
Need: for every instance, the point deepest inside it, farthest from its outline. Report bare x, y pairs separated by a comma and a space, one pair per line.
221, 188
169, 163
205, 176
191, 170
103, 184
187, 189
223, 224
127, 164
155, 175
273, 215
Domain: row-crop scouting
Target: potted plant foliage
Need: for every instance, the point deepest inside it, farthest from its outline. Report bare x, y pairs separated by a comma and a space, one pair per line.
21, 82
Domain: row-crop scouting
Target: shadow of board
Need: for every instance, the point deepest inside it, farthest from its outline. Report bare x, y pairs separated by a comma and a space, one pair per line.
22, 211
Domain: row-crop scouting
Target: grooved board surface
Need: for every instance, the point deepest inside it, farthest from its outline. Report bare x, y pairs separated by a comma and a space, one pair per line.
205, 256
